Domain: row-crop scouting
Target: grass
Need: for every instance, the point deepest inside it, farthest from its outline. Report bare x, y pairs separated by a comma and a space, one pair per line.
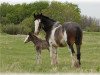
15, 56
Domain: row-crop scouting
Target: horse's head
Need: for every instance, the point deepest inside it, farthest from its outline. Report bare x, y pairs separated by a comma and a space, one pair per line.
37, 20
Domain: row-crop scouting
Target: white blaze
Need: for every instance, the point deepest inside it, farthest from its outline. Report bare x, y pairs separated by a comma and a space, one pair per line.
37, 22
26, 39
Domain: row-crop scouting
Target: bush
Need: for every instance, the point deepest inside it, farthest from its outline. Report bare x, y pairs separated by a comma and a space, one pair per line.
93, 29
24, 29
15, 29
0, 28
10, 29
28, 22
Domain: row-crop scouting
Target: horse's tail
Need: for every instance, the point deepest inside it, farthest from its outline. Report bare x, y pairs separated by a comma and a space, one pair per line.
79, 35
78, 42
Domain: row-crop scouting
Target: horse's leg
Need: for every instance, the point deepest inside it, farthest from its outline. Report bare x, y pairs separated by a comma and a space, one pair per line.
73, 55
78, 53
53, 55
38, 55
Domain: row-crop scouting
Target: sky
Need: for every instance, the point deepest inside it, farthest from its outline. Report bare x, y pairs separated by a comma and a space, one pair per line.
88, 7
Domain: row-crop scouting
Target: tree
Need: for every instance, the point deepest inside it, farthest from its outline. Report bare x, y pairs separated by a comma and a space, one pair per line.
39, 6
89, 23
63, 12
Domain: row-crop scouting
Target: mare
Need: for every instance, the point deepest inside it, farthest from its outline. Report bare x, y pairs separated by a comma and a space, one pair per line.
58, 35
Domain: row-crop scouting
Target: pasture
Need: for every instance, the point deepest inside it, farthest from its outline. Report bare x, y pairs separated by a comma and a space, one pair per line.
16, 56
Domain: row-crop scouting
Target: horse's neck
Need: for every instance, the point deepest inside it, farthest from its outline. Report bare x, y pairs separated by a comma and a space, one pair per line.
48, 23
47, 27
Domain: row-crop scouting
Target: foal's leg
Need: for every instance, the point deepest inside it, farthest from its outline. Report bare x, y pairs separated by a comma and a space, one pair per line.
74, 57
53, 55
38, 55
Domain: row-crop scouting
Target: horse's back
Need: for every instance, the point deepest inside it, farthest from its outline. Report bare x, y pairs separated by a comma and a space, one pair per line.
71, 25
73, 30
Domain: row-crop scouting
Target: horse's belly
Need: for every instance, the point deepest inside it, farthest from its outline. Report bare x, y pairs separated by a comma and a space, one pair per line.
62, 39
62, 43
58, 37
57, 41
52, 42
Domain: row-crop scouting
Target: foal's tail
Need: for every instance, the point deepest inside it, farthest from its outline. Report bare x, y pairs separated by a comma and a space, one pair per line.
79, 35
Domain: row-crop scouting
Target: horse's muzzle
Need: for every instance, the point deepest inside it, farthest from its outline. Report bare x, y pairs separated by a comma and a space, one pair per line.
36, 33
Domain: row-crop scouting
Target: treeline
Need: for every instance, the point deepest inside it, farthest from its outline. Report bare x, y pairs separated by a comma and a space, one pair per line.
18, 18
90, 24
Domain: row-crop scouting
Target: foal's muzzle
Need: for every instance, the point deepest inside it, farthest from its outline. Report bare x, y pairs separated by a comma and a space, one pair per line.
25, 41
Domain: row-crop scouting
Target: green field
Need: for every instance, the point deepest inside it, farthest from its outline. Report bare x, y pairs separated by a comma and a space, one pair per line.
15, 56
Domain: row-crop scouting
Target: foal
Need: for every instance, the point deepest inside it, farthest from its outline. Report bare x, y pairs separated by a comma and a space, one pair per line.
38, 43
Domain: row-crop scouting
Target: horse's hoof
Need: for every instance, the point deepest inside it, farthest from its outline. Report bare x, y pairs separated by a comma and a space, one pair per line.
76, 64
55, 63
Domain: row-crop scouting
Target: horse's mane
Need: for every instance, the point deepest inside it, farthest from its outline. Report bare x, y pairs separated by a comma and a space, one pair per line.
47, 18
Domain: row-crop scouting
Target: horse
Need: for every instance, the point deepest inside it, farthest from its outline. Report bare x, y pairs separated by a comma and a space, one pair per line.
38, 43
58, 35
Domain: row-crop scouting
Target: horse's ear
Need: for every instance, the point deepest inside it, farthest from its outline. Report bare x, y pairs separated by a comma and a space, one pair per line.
29, 33
41, 14
34, 15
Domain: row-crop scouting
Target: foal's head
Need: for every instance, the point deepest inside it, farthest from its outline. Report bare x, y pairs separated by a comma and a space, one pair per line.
29, 37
